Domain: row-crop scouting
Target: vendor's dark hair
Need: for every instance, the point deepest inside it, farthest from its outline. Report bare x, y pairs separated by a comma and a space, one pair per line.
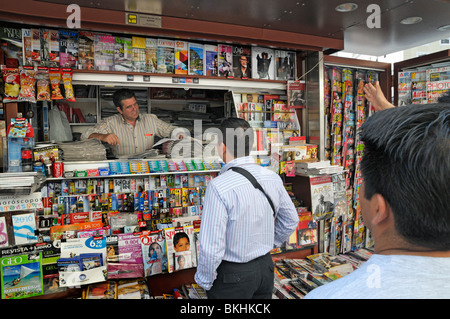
237, 135
122, 94
406, 160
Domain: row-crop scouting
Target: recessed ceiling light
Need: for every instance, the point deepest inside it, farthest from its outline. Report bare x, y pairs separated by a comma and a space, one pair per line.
346, 7
411, 20
444, 28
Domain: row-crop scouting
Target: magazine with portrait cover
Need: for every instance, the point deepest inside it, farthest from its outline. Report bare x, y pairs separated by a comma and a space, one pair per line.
179, 239
242, 60
154, 255
322, 197
285, 65
263, 63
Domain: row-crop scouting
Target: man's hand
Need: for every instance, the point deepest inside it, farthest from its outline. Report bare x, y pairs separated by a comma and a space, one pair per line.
110, 138
375, 95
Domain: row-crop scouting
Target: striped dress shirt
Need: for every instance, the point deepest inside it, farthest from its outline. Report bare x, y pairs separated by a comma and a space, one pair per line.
135, 139
237, 222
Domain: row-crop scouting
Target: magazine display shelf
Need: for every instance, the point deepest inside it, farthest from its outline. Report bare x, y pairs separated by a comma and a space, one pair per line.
424, 61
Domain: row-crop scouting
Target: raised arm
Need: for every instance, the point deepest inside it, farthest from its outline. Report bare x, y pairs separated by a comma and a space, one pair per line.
375, 95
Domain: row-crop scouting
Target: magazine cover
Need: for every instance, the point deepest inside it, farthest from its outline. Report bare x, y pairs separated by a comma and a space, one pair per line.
419, 87
178, 239
36, 45
82, 261
85, 50
12, 43
196, 53
181, 57
166, 56
296, 94
151, 55
438, 83
306, 230
139, 45
225, 60
4, 241
404, 88
24, 228
211, 60
104, 52
123, 58
242, 60
285, 65
68, 49
182, 260
21, 276
322, 197
50, 47
263, 63
153, 252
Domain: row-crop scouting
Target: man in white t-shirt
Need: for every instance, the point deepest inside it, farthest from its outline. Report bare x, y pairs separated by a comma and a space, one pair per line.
404, 203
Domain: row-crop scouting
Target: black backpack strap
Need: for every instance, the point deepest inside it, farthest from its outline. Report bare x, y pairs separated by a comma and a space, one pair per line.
255, 183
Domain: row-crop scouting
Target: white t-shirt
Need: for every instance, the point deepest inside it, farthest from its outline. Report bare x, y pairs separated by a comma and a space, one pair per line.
391, 277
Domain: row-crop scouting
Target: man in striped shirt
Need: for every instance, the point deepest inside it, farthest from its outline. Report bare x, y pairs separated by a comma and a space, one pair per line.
129, 132
238, 225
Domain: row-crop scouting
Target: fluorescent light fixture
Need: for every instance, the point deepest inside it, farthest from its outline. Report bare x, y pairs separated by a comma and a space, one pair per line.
444, 28
346, 7
411, 20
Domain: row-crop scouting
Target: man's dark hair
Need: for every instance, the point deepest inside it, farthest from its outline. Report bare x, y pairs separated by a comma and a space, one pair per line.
406, 160
122, 94
237, 135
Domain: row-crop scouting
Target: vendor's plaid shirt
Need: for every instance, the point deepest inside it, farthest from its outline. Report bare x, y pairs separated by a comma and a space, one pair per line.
132, 140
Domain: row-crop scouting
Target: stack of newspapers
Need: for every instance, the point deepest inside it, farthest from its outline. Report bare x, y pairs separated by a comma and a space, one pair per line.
88, 150
317, 168
19, 183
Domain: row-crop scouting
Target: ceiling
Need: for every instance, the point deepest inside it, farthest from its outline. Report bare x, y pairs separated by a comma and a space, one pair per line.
313, 17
